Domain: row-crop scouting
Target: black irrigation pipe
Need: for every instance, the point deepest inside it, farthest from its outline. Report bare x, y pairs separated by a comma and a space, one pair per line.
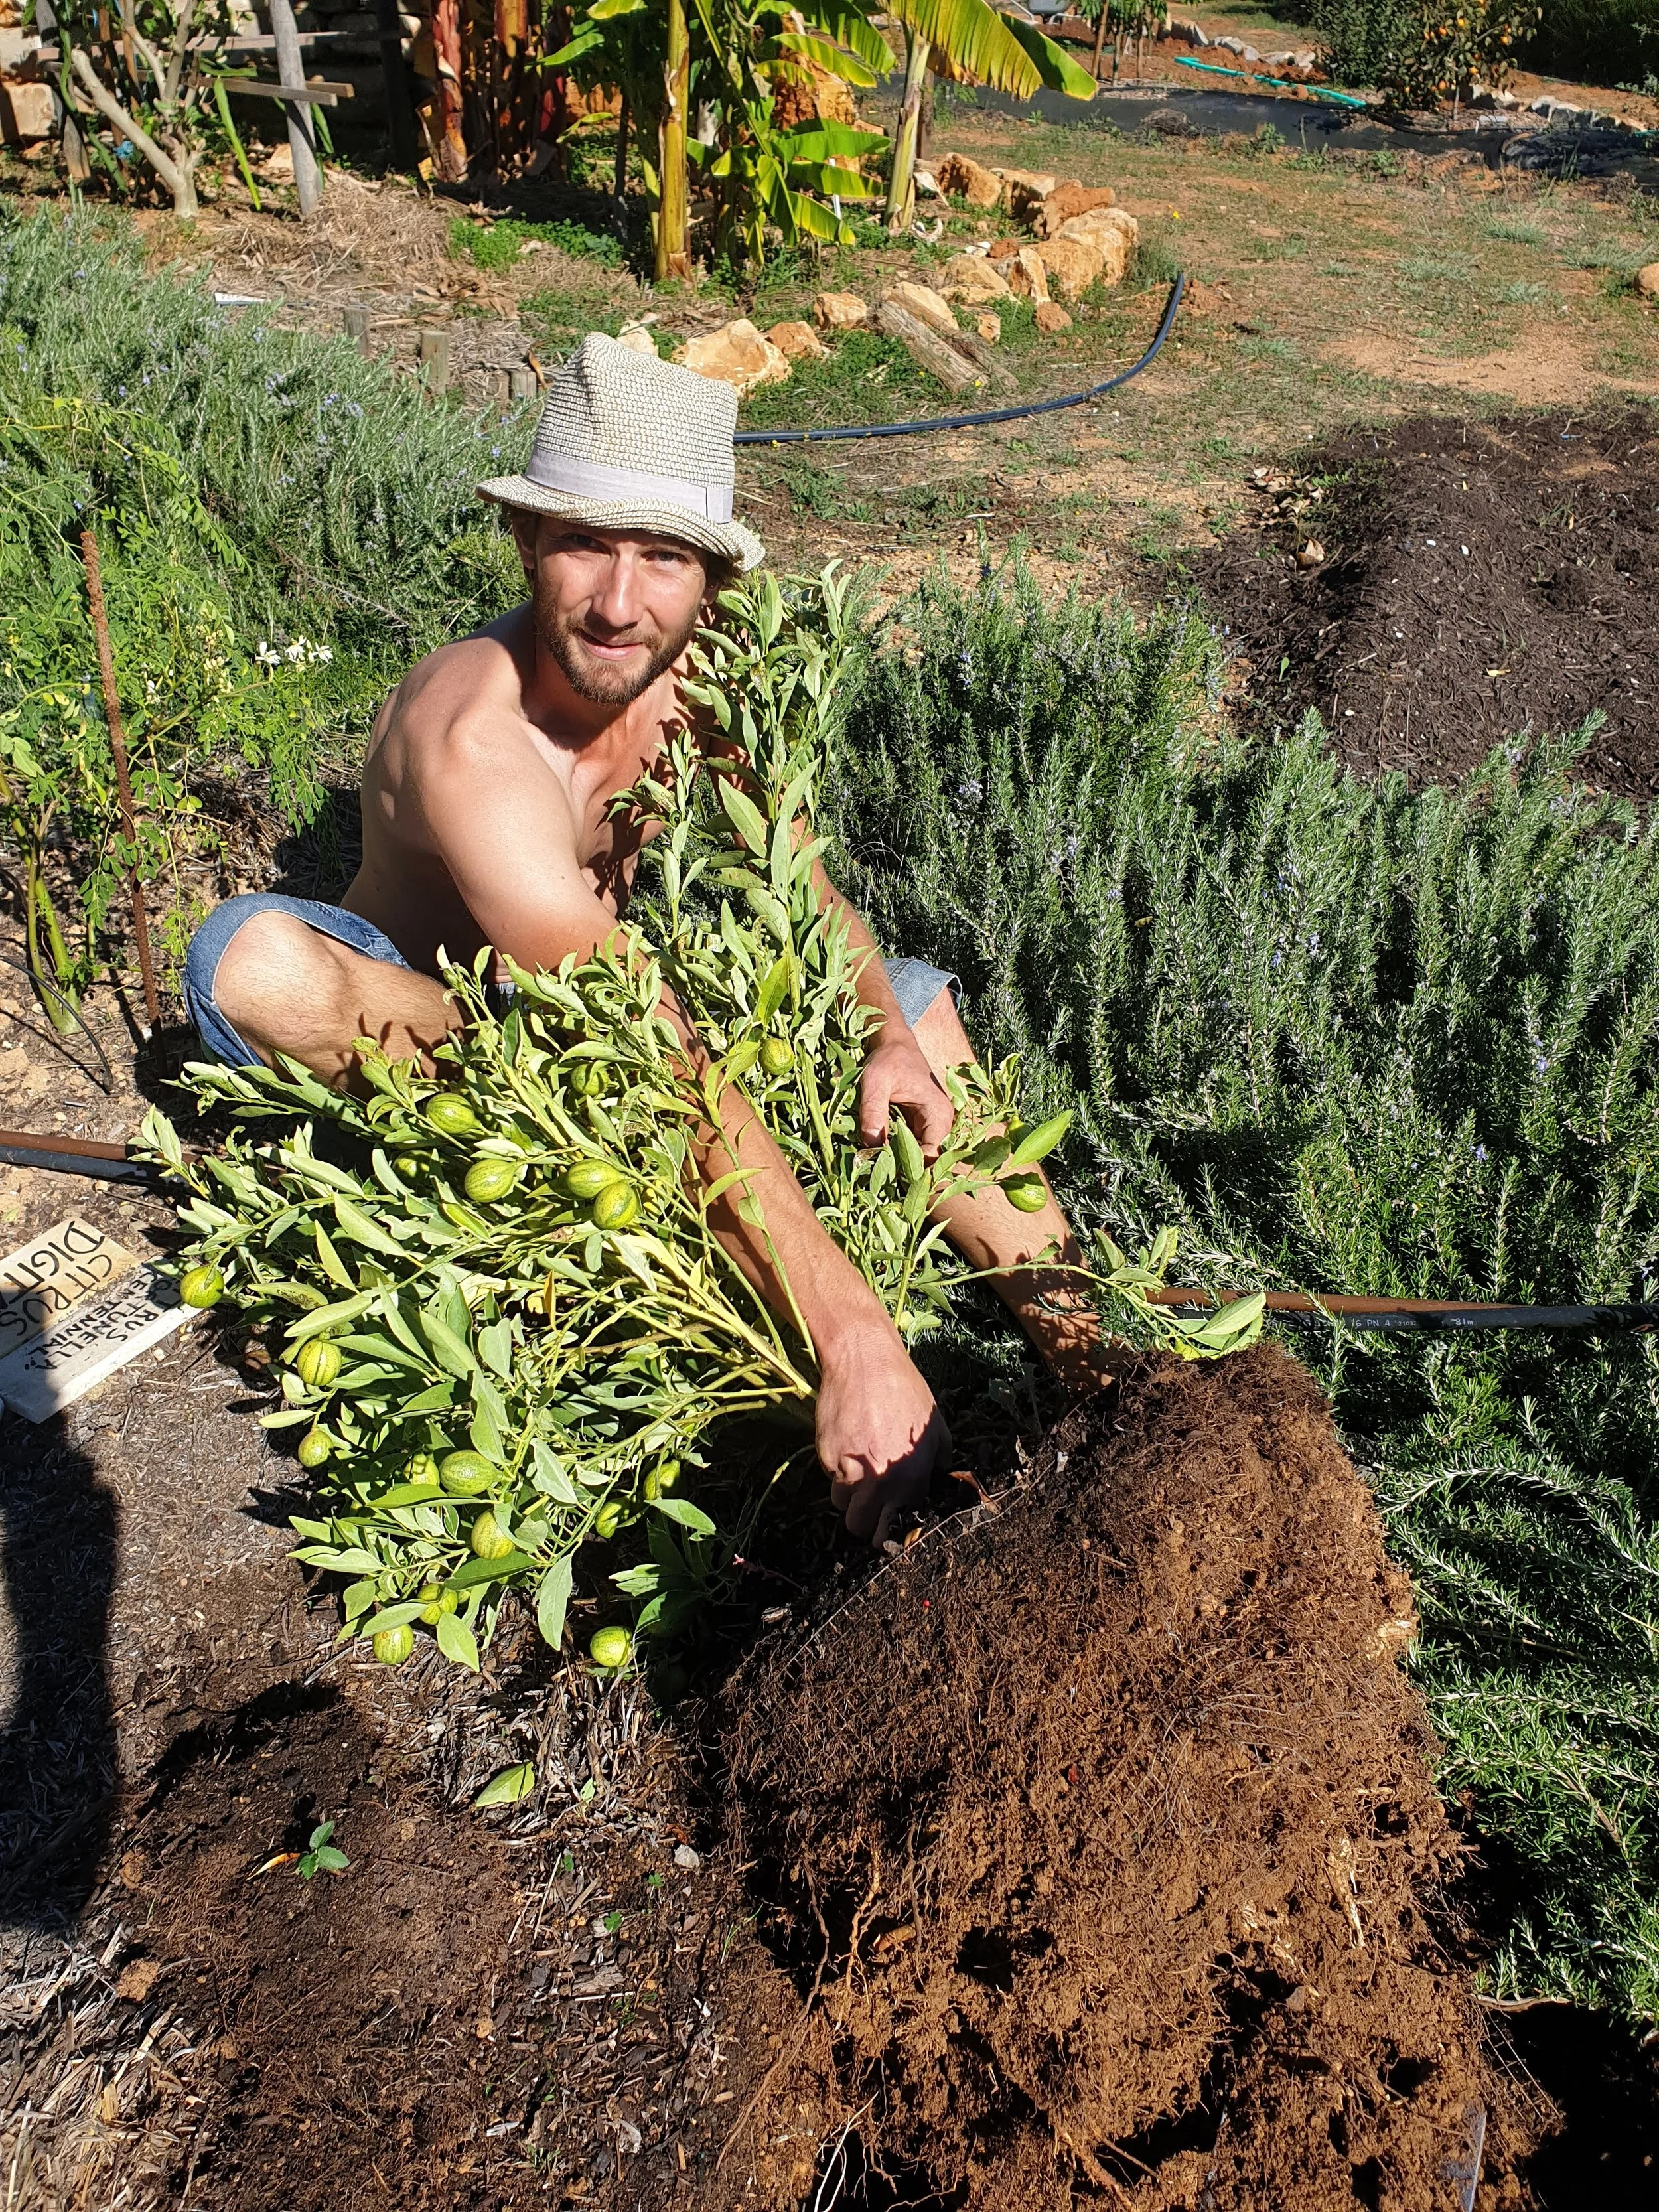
976, 422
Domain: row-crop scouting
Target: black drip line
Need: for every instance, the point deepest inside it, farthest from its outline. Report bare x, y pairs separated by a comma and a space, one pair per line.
976, 422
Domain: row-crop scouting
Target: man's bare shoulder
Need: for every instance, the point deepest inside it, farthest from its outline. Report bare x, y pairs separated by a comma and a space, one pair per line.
464, 688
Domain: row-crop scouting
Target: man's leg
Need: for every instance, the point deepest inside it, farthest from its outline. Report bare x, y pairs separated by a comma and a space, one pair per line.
990, 1233
283, 986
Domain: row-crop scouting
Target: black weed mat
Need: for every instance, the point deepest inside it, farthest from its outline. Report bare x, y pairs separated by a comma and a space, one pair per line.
1439, 586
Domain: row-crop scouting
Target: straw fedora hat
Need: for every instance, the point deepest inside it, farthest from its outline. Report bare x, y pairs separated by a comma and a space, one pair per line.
629, 442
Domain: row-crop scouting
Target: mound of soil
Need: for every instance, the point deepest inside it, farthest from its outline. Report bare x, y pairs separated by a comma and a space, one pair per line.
1480, 578
1100, 1837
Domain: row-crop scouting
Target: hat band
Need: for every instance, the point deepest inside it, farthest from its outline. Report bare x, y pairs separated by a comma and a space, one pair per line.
613, 487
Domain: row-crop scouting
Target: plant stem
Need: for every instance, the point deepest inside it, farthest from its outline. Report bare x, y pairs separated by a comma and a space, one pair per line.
119, 745
902, 179
674, 205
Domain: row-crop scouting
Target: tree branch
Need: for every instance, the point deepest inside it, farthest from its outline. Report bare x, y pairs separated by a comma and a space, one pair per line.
177, 58
130, 24
174, 174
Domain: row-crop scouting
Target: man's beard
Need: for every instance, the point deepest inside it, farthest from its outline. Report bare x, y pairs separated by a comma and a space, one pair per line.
603, 683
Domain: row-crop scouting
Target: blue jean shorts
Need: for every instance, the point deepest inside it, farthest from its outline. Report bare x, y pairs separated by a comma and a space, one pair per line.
915, 984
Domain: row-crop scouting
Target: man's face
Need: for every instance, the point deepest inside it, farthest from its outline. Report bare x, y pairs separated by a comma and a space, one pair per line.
613, 608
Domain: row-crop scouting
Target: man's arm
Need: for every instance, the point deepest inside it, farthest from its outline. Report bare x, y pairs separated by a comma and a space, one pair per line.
508, 840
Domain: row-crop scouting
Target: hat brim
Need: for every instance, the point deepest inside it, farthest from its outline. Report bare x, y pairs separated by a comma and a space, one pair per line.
730, 540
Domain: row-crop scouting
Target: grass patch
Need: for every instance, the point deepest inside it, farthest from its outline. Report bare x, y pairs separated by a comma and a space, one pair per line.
866, 379
499, 244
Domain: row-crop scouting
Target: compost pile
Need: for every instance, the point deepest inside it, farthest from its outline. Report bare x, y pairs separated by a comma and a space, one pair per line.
1100, 1837
1479, 580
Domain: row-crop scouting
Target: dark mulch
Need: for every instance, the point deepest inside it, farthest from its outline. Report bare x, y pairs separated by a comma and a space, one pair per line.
1479, 579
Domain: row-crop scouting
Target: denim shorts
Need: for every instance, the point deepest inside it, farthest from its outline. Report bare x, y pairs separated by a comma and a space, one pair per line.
915, 984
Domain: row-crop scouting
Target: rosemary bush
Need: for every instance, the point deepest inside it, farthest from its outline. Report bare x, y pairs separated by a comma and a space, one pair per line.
1343, 1038
284, 526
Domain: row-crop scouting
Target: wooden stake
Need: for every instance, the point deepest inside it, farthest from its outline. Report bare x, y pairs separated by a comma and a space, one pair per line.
307, 176
117, 739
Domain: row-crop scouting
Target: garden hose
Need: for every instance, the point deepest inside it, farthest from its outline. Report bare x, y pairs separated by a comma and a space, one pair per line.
976, 422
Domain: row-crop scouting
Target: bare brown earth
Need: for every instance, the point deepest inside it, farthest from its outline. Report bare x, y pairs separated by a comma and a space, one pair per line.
1478, 581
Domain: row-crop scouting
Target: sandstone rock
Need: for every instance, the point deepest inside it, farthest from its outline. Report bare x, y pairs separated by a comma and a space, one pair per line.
1024, 192
1112, 233
964, 178
1052, 316
1028, 276
1647, 281
840, 310
798, 341
1102, 220
989, 328
1074, 264
26, 111
970, 277
926, 304
737, 355
638, 340
1068, 200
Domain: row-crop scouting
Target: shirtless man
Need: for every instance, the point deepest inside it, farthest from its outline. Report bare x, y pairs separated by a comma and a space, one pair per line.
486, 802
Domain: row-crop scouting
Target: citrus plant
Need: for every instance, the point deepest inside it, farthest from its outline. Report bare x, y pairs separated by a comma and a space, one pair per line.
506, 1323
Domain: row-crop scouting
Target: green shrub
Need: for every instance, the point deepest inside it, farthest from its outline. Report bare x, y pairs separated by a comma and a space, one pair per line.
284, 526
1346, 1038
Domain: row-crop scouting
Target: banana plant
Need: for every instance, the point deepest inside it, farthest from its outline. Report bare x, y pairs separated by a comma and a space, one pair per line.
976, 42
729, 58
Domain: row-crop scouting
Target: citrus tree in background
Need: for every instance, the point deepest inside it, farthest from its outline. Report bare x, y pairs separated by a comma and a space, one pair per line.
974, 43
1419, 52
156, 73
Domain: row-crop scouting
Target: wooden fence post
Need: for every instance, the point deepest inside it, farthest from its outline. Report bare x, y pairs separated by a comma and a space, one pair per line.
307, 177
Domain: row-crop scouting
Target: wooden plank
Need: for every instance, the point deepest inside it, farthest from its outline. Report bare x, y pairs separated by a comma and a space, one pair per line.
42, 1279
320, 95
926, 349
85, 1347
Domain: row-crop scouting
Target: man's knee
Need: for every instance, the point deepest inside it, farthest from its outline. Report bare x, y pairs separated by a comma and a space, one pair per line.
275, 960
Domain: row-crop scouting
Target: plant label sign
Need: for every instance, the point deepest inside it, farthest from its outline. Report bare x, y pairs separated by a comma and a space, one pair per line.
75, 1354
40, 1282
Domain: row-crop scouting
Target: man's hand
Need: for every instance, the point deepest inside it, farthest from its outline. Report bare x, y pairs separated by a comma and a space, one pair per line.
878, 1430
897, 1073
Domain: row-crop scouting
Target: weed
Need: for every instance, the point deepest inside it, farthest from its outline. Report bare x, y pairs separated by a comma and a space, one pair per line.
321, 1857
1516, 231
499, 244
